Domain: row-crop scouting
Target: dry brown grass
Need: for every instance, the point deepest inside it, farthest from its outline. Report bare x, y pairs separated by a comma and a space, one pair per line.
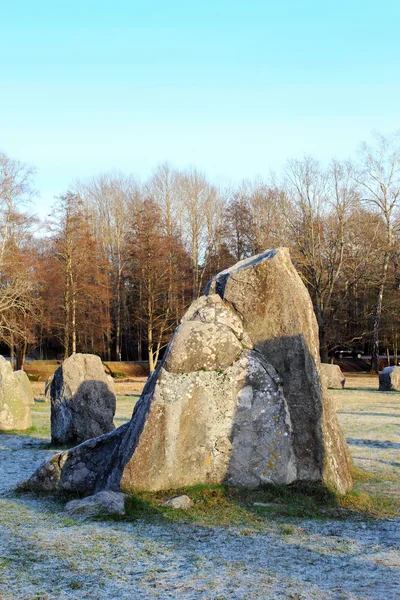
127, 368
127, 387
43, 369
123, 387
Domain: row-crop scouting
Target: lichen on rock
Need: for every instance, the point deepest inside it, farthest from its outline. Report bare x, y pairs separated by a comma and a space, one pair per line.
237, 399
16, 398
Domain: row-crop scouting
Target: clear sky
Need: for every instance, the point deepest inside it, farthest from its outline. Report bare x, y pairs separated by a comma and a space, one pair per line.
234, 88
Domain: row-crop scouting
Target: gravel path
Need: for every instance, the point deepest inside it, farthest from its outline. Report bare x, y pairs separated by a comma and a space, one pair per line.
45, 555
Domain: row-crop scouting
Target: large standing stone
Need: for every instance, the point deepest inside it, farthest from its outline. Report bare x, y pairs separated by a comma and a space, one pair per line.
15, 398
82, 405
332, 376
237, 399
389, 379
277, 313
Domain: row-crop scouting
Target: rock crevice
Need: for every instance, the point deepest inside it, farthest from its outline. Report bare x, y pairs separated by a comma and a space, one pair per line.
237, 398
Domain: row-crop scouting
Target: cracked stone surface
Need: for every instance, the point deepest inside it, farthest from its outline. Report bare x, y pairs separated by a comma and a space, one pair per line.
232, 426
238, 397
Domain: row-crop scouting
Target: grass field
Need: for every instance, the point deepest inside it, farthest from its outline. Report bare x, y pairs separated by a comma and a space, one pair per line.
41, 415
370, 420
297, 542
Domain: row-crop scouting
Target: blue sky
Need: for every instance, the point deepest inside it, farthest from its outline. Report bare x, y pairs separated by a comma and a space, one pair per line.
234, 88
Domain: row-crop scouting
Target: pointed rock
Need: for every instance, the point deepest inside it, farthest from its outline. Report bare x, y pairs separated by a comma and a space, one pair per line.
238, 397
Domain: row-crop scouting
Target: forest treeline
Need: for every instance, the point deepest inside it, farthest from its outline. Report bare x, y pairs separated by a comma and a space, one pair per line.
117, 262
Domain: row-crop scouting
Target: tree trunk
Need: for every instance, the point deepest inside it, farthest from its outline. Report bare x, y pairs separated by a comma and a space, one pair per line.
21, 354
377, 319
118, 319
139, 343
73, 325
150, 349
375, 333
323, 344
108, 337
323, 347
12, 355
67, 307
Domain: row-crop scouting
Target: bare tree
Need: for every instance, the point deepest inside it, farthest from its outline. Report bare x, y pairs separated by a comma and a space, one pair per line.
203, 209
378, 177
17, 281
256, 218
238, 226
163, 187
156, 286
77, 279
324, 203
112, 198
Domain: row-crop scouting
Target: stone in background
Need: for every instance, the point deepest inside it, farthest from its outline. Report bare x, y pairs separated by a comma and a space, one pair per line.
389, 379
332, 376
15, 398
82, 404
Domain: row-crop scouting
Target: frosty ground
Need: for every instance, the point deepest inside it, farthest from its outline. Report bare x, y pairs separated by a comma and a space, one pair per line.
44, 554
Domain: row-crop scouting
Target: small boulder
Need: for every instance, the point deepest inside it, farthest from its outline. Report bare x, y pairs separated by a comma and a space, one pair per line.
332, 376
389, 379
15, 398
105, 502
181, 502
82, 405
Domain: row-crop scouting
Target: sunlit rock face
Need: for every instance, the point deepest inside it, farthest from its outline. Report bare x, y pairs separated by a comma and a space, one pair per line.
16, 398
227, 425
26, 385
237, 399
332, 376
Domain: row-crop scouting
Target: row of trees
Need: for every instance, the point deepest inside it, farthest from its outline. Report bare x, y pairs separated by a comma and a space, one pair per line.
117, 263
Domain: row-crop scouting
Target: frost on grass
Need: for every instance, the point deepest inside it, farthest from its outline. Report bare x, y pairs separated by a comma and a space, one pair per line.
47, 555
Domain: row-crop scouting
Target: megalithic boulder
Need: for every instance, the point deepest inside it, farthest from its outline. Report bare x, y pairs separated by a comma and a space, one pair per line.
237, 399
82, 403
